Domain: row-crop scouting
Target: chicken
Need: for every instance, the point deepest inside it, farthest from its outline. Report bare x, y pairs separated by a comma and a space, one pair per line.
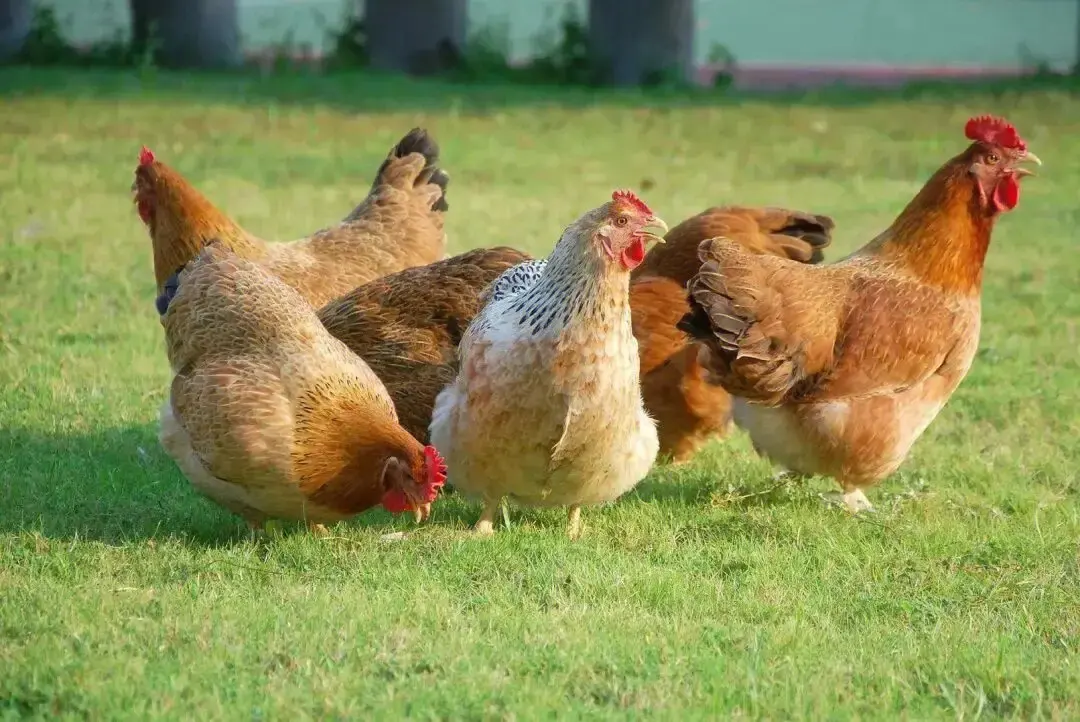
407, 325
838, 369
272, 417
688, 408
546, 407
398, 225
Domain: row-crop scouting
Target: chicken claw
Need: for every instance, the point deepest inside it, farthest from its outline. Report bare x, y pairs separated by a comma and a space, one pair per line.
574, 527
485, 525
854, 500
422, 513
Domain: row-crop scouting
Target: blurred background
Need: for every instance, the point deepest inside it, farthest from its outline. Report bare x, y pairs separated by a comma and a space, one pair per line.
771, 43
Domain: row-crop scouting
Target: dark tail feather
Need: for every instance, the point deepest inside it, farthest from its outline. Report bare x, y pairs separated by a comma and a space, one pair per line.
168, 292
695, 323
213, 248
419, 141
815, 231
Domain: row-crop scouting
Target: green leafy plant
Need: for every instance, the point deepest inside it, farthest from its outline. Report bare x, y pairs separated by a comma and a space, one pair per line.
566, 59
348, 42
720, 55
47, 45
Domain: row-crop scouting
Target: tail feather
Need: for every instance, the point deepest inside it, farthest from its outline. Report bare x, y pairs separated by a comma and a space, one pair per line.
813, 230
778, 232
394, 173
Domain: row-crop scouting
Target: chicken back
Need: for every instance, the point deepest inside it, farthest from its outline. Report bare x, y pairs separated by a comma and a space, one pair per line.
398, 225
407, 326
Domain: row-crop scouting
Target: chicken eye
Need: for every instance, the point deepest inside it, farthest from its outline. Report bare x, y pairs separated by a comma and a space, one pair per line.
992, 159
622, 221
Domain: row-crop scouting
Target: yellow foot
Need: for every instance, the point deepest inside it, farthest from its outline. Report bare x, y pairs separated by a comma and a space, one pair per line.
854, 500
574, 527
485, 526
318, 529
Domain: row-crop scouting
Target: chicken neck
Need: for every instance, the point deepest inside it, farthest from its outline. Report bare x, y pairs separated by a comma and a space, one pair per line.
943, 234
577, 286
182, 221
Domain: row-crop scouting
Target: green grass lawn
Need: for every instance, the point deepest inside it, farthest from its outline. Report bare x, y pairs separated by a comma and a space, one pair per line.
705, 592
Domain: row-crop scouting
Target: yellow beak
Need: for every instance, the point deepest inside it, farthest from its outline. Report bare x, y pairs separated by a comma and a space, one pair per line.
1027, 157
649, 231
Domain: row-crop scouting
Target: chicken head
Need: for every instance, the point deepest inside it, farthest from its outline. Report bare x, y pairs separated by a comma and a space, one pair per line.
626, 228
997, 154
413, 486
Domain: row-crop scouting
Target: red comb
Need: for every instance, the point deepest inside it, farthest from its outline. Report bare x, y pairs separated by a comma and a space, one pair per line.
630, 198
436, 469
146, 156
995, 131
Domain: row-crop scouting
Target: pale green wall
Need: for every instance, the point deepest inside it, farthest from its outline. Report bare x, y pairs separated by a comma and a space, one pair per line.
1005, 33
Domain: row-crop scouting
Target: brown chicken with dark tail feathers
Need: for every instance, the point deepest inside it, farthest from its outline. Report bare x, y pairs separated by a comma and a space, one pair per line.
838, 369
407, 325
398, 225
689, 409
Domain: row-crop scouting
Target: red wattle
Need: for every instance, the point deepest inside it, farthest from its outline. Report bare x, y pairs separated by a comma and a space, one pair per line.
145, 211
1007, 193
634, 254
395, 502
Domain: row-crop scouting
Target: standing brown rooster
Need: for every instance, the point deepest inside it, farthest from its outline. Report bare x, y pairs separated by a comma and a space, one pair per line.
838, 369
687, 407
398, 225
272, 417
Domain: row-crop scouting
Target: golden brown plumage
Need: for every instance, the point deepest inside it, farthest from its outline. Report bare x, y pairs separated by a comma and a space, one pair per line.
407, 325
271, 416
398, 225
688, 408
838, 369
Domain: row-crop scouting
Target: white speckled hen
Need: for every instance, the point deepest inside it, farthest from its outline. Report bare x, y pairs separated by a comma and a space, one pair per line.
546, 407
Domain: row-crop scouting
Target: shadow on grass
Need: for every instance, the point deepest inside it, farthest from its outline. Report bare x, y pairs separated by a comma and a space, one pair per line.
370, 92
669, 484
117, 485
111, 485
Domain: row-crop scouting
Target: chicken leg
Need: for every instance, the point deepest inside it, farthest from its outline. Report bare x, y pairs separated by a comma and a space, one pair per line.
574, 527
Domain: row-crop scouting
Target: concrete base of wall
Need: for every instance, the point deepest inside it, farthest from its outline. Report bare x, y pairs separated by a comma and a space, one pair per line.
790, 77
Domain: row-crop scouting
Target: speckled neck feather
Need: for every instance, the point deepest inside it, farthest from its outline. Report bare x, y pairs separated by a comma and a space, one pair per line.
577, 284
